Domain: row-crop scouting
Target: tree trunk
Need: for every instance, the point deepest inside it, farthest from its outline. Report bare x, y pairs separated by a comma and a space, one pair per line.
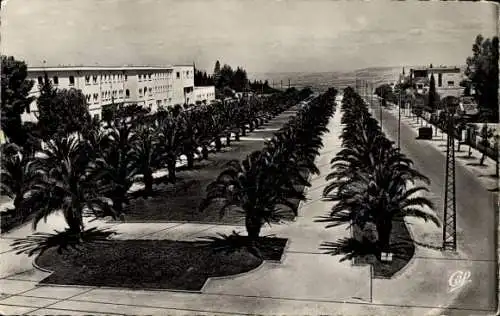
384, 228
253, 226
228, 139
237, 136
483, 155
243, 132
470, 150
171, 171
118, 202
458, 148
19, 211
497, 168
148, 183
190, 160
204, 152
218, 144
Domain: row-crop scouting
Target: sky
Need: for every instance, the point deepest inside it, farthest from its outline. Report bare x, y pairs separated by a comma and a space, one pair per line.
259, 35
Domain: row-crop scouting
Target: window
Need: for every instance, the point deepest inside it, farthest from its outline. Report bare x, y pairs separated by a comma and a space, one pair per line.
72, 81
87, 79
150, 91
40, 80
178, 74
94, 78
127, 93
56, 80
440, 80
126, 77
103, 95
140, 92
113, 78
96, 117
140, 77
149, 77
96, 95
87, 97
451, 83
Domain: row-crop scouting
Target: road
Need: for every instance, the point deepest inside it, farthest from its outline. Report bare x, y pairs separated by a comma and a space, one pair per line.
476, 209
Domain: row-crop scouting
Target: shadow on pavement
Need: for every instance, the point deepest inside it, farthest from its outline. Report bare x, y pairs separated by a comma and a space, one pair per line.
367, 252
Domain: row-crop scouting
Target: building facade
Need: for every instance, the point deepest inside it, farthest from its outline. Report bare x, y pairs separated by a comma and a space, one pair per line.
447, 80
153, 87
204, 94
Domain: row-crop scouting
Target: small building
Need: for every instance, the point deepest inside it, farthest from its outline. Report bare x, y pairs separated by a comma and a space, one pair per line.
447, 80
204, 95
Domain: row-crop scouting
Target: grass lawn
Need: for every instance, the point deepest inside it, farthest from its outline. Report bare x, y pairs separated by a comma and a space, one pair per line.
180, 202
153, 264
402, 247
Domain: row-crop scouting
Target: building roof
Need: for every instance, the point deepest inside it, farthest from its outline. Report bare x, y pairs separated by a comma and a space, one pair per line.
442, 69
102, 68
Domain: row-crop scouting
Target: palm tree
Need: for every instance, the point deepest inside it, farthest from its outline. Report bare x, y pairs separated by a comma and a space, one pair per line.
251, 187
146, 154
115, 164
68, 184
17, 173
171, 144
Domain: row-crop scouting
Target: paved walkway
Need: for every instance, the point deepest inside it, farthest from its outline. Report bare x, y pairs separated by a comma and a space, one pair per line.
306, 282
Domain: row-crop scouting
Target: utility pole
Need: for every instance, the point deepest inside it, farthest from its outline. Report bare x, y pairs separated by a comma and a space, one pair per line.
399, 121
450, 203
288, 83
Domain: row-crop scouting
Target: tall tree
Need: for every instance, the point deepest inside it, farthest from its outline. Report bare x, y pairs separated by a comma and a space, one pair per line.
225, 77
15, 97
61, 112
217, 71
432, 97
482, 71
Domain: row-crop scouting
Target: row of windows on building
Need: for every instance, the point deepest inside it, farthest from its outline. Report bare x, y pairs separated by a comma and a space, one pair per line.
206, 95
107, 95
156, 89
157, 76
116, 78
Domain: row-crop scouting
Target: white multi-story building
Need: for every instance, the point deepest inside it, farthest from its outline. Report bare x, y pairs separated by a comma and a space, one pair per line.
204, 94
447, 80
152, 87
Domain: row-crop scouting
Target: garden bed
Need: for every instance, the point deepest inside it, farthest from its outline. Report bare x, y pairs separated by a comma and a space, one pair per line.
402, 247
151, 264
180, 202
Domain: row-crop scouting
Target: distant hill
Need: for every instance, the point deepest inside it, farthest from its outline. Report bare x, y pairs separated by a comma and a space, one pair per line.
320, 81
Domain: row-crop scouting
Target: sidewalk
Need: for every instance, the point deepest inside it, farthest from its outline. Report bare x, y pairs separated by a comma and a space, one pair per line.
306, 282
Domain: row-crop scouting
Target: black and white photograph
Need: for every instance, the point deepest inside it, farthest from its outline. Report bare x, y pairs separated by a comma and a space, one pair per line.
249, 157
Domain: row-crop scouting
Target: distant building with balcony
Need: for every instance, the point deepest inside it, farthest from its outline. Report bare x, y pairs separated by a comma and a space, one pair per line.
204, 95
152, 87
447, 80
